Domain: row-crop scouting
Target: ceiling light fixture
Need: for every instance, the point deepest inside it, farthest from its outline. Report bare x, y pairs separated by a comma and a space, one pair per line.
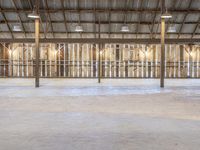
166, 15
171, 29
79, 28
17, 28
125, 28
34, 14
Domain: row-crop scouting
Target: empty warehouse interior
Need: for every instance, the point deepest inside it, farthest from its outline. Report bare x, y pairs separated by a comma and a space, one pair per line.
99, 74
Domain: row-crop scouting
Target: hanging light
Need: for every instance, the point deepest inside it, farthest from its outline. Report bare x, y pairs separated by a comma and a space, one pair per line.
171, 29
34, 14
166, 15
17, 28
125, 28
79, 28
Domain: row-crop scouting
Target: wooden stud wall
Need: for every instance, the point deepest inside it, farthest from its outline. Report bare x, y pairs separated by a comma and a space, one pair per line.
117, 60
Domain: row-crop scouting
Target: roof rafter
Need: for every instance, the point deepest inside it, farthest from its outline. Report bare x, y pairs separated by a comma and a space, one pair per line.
4, 17
196, 27
139, 18
95, 15
175, 2
49, 17
64, 16
154, 18
109, 18
19, 17
125, 13
79, 14
185, 16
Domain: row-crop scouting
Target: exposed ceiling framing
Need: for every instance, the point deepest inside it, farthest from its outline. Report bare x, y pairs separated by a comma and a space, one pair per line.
64, 16
49, 17
61, 16
184, 18
19, 17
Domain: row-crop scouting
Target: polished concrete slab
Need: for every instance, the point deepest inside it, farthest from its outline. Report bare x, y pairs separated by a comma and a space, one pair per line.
80, 114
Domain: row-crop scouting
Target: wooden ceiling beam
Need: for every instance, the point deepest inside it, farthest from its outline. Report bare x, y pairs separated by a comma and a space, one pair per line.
90, 10
118, 32
96, 22
103, 40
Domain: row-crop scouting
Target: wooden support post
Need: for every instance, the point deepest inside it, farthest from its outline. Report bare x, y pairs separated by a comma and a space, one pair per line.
162, 58
181, 61
69, 59
117, 60
126, 68
94, 59
103, 60
146, 62
154, 61
6, 61
37, 50
162, 61
190, 61
99, 64
66, 60
80, 60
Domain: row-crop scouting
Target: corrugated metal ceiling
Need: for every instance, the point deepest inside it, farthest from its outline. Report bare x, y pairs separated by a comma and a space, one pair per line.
142, 17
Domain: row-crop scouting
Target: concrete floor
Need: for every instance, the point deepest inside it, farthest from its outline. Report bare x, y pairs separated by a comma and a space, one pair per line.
80, 114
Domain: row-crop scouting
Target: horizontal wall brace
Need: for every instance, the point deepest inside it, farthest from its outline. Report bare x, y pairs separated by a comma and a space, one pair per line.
103, 40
